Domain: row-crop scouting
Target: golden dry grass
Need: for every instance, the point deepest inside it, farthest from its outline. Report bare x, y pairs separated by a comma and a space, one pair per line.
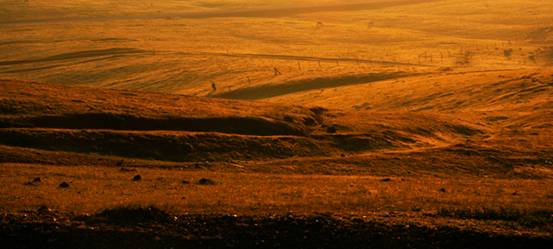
95, 188
162, 47
453, 104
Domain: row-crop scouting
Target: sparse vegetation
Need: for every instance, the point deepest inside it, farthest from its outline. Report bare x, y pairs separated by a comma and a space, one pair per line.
508, 53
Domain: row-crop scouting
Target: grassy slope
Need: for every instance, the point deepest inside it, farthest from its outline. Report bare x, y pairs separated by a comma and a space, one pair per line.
186, 130
455, 119
166, 52
514, 105
424, 150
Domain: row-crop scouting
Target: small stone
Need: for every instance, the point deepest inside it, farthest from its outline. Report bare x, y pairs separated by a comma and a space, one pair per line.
137, 178
44, 209
356, 220
34, 182
205, 181
386, 180
64, 185
309, 121
442, 190
185, 182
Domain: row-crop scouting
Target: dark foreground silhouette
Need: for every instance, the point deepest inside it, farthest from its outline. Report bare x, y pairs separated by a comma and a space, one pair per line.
152, 228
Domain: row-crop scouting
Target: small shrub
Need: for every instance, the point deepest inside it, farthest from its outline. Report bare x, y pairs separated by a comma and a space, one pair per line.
318, 110
508, 52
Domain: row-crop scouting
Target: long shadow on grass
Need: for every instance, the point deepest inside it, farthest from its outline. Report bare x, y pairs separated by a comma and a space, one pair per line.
273, 90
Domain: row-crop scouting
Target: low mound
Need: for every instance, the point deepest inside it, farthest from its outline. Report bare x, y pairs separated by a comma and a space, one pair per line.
172, 128
29, 104
22, 98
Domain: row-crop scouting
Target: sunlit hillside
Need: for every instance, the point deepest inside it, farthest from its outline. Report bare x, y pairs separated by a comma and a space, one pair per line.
186, 46
276, 124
